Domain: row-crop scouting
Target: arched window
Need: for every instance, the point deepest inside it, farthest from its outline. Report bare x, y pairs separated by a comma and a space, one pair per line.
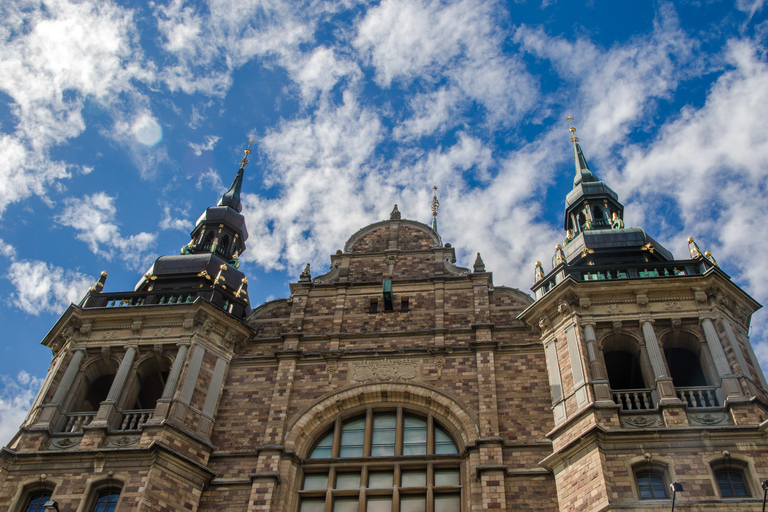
624, 370
651, 484
731, 483
37, 501
106, 500
382, 461
97, 393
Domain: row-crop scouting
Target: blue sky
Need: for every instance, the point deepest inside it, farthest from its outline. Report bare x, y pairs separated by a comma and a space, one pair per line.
120, 122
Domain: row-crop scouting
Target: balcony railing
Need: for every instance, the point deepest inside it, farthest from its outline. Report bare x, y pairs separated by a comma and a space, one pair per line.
634, 399
134, 420
699, 397
77, 420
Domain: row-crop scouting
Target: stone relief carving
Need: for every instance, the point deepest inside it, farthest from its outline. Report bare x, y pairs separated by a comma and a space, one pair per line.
614, 308
122, 441
385, 369
672, 305
331, 367
708, 418
163, 331
64, 443
643, 421
391, 261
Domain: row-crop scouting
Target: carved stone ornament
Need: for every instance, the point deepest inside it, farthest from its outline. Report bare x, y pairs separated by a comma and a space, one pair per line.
207, 326
617, 326
672, 305
614, 308
385, 370
677, 324
439, 365
106, 352
564, 308
136, 325
643, 421
391, 261
121, 441
163, 331
708, 418
331, 367
64, 443
157, 348
544, 323
111, 334
229, 340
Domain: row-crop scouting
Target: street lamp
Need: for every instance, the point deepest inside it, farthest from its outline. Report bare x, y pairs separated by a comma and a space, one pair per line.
675, 487
764, 485
51, 506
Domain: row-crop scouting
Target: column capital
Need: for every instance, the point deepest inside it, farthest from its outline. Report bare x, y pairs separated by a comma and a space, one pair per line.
704, 318
590, 322
83, 349
183, 344
647, 320
133, 346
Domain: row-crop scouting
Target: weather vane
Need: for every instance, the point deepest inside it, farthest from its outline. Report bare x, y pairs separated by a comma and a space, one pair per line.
574, 138
247, 152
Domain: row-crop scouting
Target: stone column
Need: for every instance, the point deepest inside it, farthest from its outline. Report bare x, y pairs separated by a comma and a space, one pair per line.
189, 383
108, 408
664, 387
600, 384
212, 396
555, 382
53, 410
163, 404
729, 384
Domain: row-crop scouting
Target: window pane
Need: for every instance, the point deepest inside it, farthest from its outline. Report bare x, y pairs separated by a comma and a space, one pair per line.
447, 503
348, 480
414, 436
732, 484
107, 501
37, 502
345, 505
380, 479
379, 504
313, 505
413, 504
651, 485
315, 481
443, 443
414, 478
384, 427
352, 437
323, 448
447, 477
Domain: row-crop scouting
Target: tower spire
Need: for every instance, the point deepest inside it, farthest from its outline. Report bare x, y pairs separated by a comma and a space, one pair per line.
231, 197
435, 204
583, 174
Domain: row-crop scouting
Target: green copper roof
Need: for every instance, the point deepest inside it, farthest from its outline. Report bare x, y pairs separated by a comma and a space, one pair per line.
231, 197
583, 174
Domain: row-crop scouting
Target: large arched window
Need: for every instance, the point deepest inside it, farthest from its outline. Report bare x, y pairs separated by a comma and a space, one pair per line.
381, 461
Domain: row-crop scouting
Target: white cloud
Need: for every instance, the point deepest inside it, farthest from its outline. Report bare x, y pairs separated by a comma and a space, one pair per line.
458, 41
45, 288
212, 181
94, 218
16, 396
169, 222
208, 145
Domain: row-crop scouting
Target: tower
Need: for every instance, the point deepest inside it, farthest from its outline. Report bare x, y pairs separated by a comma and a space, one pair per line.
126, 413
652, 375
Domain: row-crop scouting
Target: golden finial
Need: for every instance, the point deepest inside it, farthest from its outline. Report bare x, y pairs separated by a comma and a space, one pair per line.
244, 162
435, 204
574, 138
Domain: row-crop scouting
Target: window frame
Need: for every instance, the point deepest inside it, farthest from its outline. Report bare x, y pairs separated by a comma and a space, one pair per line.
397, 464
94, 488
34, 494
731, 465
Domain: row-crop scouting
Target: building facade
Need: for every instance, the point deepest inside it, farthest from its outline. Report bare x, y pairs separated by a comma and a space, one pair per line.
401, 382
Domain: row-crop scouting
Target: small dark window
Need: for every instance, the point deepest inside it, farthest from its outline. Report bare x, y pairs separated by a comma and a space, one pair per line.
685, 368
404, 304
374, 306
107, 500
97, 393
731, 484
624, 370
651, 485
37, 501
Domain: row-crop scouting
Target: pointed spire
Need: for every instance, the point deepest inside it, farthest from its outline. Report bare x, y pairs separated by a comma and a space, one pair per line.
231, 197
583, 174
479, 264
435, 204
395, 215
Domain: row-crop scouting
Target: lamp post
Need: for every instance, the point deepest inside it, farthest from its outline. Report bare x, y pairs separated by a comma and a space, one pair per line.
51, 506
764, 485
675, 487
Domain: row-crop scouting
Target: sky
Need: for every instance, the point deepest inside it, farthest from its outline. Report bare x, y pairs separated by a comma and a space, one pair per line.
121, 122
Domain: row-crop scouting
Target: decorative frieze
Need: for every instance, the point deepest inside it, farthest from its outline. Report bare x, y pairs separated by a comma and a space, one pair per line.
385, 370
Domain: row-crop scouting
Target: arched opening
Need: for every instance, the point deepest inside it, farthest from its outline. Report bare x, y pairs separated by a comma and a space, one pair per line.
223, 247
208, 241
684, 368
97, 393
624, 370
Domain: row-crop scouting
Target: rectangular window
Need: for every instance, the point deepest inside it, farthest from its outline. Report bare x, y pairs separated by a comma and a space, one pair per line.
413, 503
447, 477
416, 478
374, 308
315, 481
404, 304
379, 504
352, 438
380, 479
447, 503
414, 436
347, 480
384, 429
344, 505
